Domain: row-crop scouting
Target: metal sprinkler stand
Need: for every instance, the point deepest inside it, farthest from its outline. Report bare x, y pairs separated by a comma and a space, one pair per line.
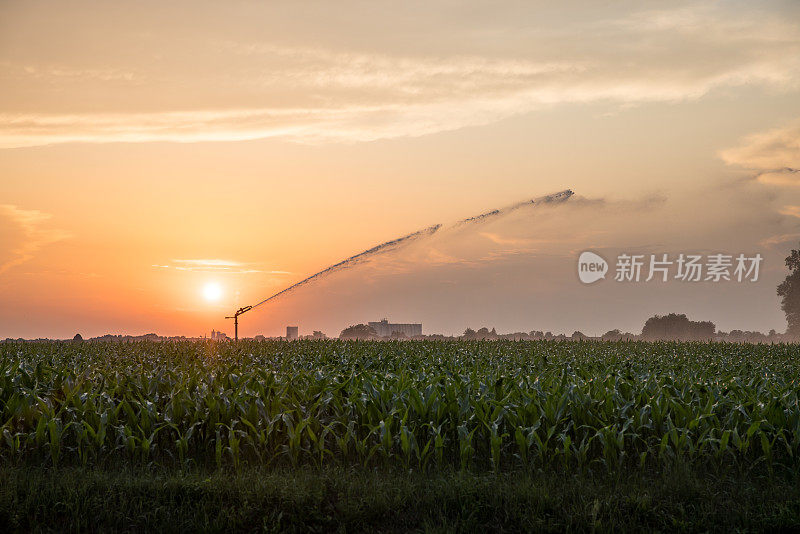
235, 318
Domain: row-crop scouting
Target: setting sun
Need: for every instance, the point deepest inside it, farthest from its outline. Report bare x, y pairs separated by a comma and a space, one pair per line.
212, 292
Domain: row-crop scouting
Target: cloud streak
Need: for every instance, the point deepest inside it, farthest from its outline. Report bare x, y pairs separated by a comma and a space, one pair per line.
774, 155
338, 94
791, 211
33, 236
220, 266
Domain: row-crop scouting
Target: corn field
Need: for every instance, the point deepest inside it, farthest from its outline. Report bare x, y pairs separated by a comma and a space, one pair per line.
418, 405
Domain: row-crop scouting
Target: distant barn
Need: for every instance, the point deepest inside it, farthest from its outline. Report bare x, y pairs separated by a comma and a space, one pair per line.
384, 328
292, 333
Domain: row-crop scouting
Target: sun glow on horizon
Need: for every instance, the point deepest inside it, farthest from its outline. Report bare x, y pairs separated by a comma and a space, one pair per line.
212, 291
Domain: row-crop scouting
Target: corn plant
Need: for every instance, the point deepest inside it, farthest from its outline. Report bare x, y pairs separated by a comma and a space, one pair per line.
413, 404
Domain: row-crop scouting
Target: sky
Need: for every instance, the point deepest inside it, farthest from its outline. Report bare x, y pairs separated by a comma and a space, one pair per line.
162, 164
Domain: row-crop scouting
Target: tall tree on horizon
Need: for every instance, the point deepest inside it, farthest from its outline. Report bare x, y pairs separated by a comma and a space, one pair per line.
789, 291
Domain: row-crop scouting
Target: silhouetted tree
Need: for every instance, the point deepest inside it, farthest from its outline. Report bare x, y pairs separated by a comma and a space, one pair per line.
789, 291
77, 337
612, 335
679, 327
359, 331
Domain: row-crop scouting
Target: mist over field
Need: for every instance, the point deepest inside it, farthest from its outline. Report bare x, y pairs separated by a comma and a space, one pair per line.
518, 271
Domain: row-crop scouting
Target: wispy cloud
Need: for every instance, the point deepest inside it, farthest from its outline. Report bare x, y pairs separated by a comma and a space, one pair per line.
791, 211
33, 235
501, 240
773, 155
315, 95
210, 263
220, 266
774, 158
779, 240
51, 72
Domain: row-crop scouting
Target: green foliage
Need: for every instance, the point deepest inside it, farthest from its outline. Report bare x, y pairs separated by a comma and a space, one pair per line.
485, 405
789, 291
346, 499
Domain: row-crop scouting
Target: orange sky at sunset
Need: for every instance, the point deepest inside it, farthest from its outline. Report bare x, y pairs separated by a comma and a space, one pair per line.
164, 164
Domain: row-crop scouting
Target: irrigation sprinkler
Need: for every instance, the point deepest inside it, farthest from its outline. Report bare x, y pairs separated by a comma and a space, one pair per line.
391, 245
235, 318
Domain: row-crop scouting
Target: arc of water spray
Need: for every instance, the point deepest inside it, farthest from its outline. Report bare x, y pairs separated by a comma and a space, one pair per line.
426, 232
352, 260
555, 197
